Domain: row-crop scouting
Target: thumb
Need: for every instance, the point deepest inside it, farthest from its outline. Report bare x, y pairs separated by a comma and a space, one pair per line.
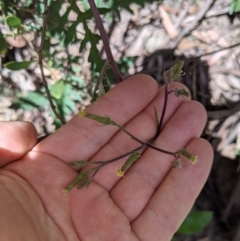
16, 139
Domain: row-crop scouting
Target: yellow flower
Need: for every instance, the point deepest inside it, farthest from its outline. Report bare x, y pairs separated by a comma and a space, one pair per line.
82, 113
185, 152
193, 159
119, 172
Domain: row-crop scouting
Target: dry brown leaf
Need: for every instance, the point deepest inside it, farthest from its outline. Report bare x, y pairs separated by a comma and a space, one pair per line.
222, 42
170, 9
202, 36
213, 35
193, 9
186, 44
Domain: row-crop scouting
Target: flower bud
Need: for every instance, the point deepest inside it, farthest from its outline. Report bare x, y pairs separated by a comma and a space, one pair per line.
79, 163
183, 152
100, 119
177, 164
85, 183
120, 172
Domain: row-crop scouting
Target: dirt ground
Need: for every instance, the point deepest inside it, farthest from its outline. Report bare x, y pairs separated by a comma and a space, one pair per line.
203, 35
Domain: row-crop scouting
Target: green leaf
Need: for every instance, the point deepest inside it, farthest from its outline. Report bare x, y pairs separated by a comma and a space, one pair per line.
63, 20
88, 14
194, 222
17, 65
3, 45
32, 101
234, 7
76, 95
78, 79
57, 89
13, 21
71, 33
70, 103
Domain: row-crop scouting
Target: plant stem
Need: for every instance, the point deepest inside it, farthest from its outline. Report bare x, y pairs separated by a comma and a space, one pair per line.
104, 38
40, 61
100, 78
163, 111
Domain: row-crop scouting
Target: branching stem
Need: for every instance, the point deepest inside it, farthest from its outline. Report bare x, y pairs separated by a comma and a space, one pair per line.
40, 61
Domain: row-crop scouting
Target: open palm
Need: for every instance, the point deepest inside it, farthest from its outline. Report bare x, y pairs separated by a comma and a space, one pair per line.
149, 203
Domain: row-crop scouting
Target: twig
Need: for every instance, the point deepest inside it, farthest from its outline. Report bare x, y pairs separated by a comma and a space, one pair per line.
101, 76
223, 70
193, 25
217, 12
213, 52
40, 61
104, 38
218, 114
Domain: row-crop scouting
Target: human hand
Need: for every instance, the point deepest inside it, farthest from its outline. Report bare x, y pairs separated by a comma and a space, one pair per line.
149, 203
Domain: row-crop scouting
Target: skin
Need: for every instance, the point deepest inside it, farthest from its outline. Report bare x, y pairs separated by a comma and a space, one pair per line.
149, 203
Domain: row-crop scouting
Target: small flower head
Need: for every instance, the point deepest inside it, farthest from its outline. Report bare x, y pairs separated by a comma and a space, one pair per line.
120, 172
184, 152
177, 164
65, 191
193, 159
81, 113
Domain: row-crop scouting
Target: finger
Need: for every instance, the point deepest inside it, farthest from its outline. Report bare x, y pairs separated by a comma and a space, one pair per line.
133, 192
143, 126
16, 139
81, 137
174, 198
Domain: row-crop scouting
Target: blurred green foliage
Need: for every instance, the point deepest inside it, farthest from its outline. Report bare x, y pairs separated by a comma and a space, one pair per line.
234, 7
195, 222
68, 24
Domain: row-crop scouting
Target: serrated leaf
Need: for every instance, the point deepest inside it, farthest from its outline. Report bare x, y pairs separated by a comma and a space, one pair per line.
17, 65
88, 14
57, 89
126, 4
93, 57
71, 33
63, 20
195, 222
13, 21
